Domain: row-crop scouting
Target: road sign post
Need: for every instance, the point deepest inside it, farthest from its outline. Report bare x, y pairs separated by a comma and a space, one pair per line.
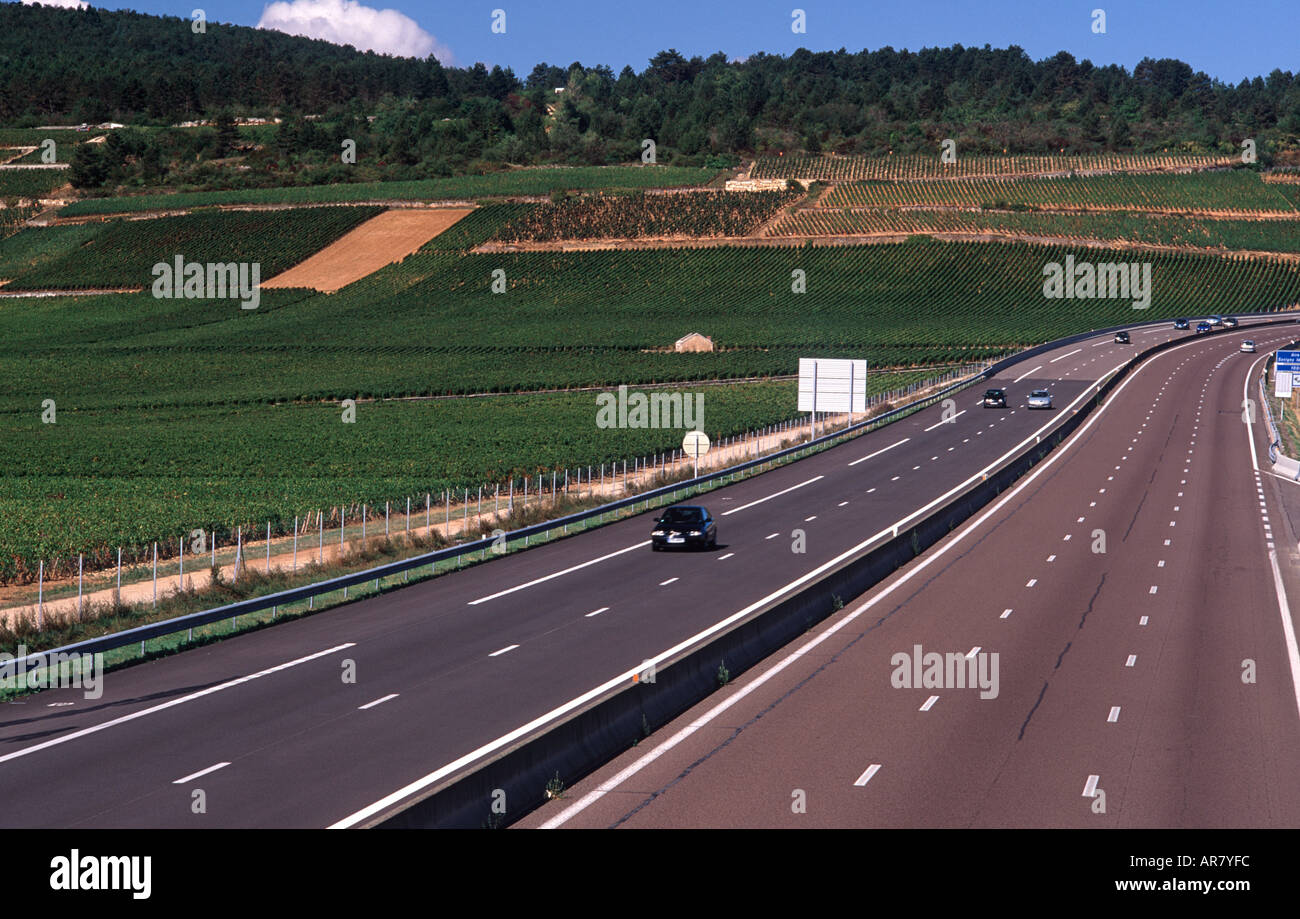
696, 444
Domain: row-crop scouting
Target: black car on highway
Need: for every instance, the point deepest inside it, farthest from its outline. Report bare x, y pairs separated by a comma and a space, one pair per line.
1121, 338
995, 398
1181, 324
684, 525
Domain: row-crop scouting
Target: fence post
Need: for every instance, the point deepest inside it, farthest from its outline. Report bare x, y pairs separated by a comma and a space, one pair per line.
182, 563
155, 574
268, 547
408, 514
295, 543
119, 574
428, 504
385, 520
40, 596
363, 524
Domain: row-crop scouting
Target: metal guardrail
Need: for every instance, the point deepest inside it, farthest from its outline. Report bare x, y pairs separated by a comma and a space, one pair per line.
38, 660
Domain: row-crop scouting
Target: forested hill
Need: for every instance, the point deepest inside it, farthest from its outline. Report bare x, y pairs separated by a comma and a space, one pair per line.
92, 65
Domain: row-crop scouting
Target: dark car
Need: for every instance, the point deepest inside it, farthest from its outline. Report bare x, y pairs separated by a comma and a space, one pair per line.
1229, 322
1121, 338
1203, 328
684, 525
1181, 324
995, 398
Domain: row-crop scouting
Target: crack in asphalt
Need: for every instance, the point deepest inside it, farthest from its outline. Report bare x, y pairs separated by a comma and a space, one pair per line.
1061, 658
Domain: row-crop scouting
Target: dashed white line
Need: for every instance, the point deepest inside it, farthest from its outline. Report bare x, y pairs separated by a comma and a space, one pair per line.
866, 776
381, 701
195, 775
502, 651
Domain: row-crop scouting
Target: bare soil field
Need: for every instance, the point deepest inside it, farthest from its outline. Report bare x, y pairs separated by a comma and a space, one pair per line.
380, 241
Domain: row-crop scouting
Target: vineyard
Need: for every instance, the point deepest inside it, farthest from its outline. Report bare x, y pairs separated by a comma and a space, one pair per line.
12, 219
235, 417
122, 253
1201, 232
696, 214
540, 181
477, 228
31, 183
1236, 191
858, 168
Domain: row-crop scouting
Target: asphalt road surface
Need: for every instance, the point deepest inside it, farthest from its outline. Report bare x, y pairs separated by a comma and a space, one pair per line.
449, 671
1155, 684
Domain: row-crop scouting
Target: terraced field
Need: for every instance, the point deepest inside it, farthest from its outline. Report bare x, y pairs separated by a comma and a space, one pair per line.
540, 181
855, 168
1238, 191
1201, 232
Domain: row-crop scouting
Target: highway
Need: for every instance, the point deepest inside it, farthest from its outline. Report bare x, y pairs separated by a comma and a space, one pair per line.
449, 671
1155, 684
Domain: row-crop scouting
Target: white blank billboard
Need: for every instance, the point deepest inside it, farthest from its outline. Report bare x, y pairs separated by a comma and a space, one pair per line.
841, 385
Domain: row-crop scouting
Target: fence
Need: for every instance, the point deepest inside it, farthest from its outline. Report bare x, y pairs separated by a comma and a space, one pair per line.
451, 514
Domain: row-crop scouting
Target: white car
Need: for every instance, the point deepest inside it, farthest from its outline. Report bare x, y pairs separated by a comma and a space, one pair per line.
1248, 346
1040, 398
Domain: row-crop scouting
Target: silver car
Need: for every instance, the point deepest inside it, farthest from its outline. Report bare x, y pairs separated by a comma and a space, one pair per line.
1248, 346
1040, 398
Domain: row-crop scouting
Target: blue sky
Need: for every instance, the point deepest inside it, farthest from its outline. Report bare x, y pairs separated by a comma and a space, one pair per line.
1226, 40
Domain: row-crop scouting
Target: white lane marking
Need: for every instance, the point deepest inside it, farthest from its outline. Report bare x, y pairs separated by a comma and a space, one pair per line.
179, 701
1032, 582
948, 420
810, 519
929, 703
784, 491
1067, 538
195, 775
870, 490
555, 574
1027, 373
1090, 787
667, 582
842, 503
723, 558
1132, 659
391, 695
1051, 558
773, 536
1064, 356
1005, 614
880, 451
596, 612
1114, 715
1160, 564
972, 652
1153, 588
866, 776
1143, 621
503, 651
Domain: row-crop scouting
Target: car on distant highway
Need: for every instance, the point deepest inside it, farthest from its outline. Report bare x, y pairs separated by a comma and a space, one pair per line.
1248, 346
685, 525
995, 398
1203, 328
1215, 320
1229, 322
1121, 338
1039, 398
1181, 324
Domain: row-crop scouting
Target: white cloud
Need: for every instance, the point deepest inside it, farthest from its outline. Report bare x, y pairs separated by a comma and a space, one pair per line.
347, 22
71, 4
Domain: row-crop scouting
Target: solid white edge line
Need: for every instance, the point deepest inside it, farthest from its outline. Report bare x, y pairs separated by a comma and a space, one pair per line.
596, 612
179, 701
736, 510
503, 650
1284, 608
1027, 373
1090, 787
195, 775
1064, 356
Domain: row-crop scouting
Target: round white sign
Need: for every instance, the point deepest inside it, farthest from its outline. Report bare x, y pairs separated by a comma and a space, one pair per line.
695, 444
